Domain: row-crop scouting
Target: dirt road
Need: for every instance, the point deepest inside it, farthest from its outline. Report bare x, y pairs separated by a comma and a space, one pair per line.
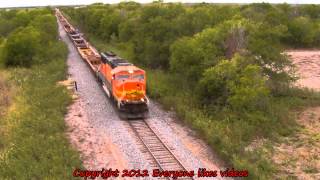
299, 155
308, 67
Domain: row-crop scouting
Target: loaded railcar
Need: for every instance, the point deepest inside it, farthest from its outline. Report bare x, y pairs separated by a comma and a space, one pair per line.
122, 81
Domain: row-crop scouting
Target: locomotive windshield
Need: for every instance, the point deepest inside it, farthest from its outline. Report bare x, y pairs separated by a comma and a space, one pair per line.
127, 76
122, 77
138, 76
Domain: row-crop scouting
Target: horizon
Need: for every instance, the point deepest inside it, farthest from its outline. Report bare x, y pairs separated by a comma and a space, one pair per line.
44, 3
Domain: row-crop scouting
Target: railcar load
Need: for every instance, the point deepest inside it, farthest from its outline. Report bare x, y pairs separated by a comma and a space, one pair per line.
122, 81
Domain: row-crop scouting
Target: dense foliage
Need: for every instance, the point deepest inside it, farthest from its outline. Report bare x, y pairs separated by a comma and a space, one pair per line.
32, 134
153, 28
30, 36
189, 39
220, 67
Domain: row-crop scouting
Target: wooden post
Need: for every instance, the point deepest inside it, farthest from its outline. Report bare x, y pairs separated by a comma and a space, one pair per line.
76, 85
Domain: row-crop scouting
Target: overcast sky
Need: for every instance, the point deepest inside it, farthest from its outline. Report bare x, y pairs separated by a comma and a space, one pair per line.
19, 3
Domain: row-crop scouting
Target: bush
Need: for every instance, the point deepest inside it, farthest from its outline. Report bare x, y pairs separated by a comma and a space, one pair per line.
21, 47
235, 84
47, 26
32, 38
302, 32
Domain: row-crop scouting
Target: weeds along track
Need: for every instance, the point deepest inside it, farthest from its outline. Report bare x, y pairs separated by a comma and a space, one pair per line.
158, 154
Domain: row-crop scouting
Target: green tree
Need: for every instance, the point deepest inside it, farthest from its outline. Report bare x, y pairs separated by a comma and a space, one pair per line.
127, 30
234, 82
109, 25
21, 47
186, 58
311, 10
47, 26
22, 18
302, 31
249, 89
265, 46
6, 26
191, 56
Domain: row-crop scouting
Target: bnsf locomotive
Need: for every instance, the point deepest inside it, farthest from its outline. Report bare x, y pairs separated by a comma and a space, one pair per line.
122, 81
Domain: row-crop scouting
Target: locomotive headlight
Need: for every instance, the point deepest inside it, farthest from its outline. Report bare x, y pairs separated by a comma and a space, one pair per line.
142, 99
130, 71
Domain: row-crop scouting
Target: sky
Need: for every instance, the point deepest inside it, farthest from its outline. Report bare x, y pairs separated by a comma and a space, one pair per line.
22, 3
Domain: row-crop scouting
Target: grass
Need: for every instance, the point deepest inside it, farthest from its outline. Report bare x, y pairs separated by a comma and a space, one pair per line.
310, 169
34, 143
5, 93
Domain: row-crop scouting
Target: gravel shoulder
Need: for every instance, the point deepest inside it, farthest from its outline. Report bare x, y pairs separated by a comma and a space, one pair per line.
104, 140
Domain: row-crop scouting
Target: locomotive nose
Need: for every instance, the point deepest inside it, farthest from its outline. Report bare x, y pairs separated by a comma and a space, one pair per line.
133, 85
133, 90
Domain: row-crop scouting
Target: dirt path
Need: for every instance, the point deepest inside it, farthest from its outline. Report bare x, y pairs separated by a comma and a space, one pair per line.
105, 141
299, 155
308, 67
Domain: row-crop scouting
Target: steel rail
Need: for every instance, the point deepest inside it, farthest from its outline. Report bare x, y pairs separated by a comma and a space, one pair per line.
151, 152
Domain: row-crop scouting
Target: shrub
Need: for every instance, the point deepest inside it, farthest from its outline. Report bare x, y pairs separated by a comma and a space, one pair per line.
21, 47
302, 32
235, 84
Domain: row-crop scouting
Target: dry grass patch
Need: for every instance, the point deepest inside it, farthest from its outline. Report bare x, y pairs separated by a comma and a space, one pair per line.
5, 94
5, 101
299, 155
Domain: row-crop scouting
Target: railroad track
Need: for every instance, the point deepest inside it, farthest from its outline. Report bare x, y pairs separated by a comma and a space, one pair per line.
157, 152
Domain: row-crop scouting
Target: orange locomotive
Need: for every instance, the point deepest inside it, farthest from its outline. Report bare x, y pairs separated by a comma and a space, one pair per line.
124, 82
121, 80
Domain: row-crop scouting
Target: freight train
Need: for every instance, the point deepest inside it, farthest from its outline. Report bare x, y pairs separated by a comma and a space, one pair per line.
122, 81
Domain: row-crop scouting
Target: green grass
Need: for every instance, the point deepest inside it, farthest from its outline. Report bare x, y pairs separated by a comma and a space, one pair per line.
35, 144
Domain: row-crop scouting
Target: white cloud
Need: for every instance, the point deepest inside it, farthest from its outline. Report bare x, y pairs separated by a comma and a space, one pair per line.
19, 3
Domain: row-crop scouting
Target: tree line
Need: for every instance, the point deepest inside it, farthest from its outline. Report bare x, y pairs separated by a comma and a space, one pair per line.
197, 41
28, 37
